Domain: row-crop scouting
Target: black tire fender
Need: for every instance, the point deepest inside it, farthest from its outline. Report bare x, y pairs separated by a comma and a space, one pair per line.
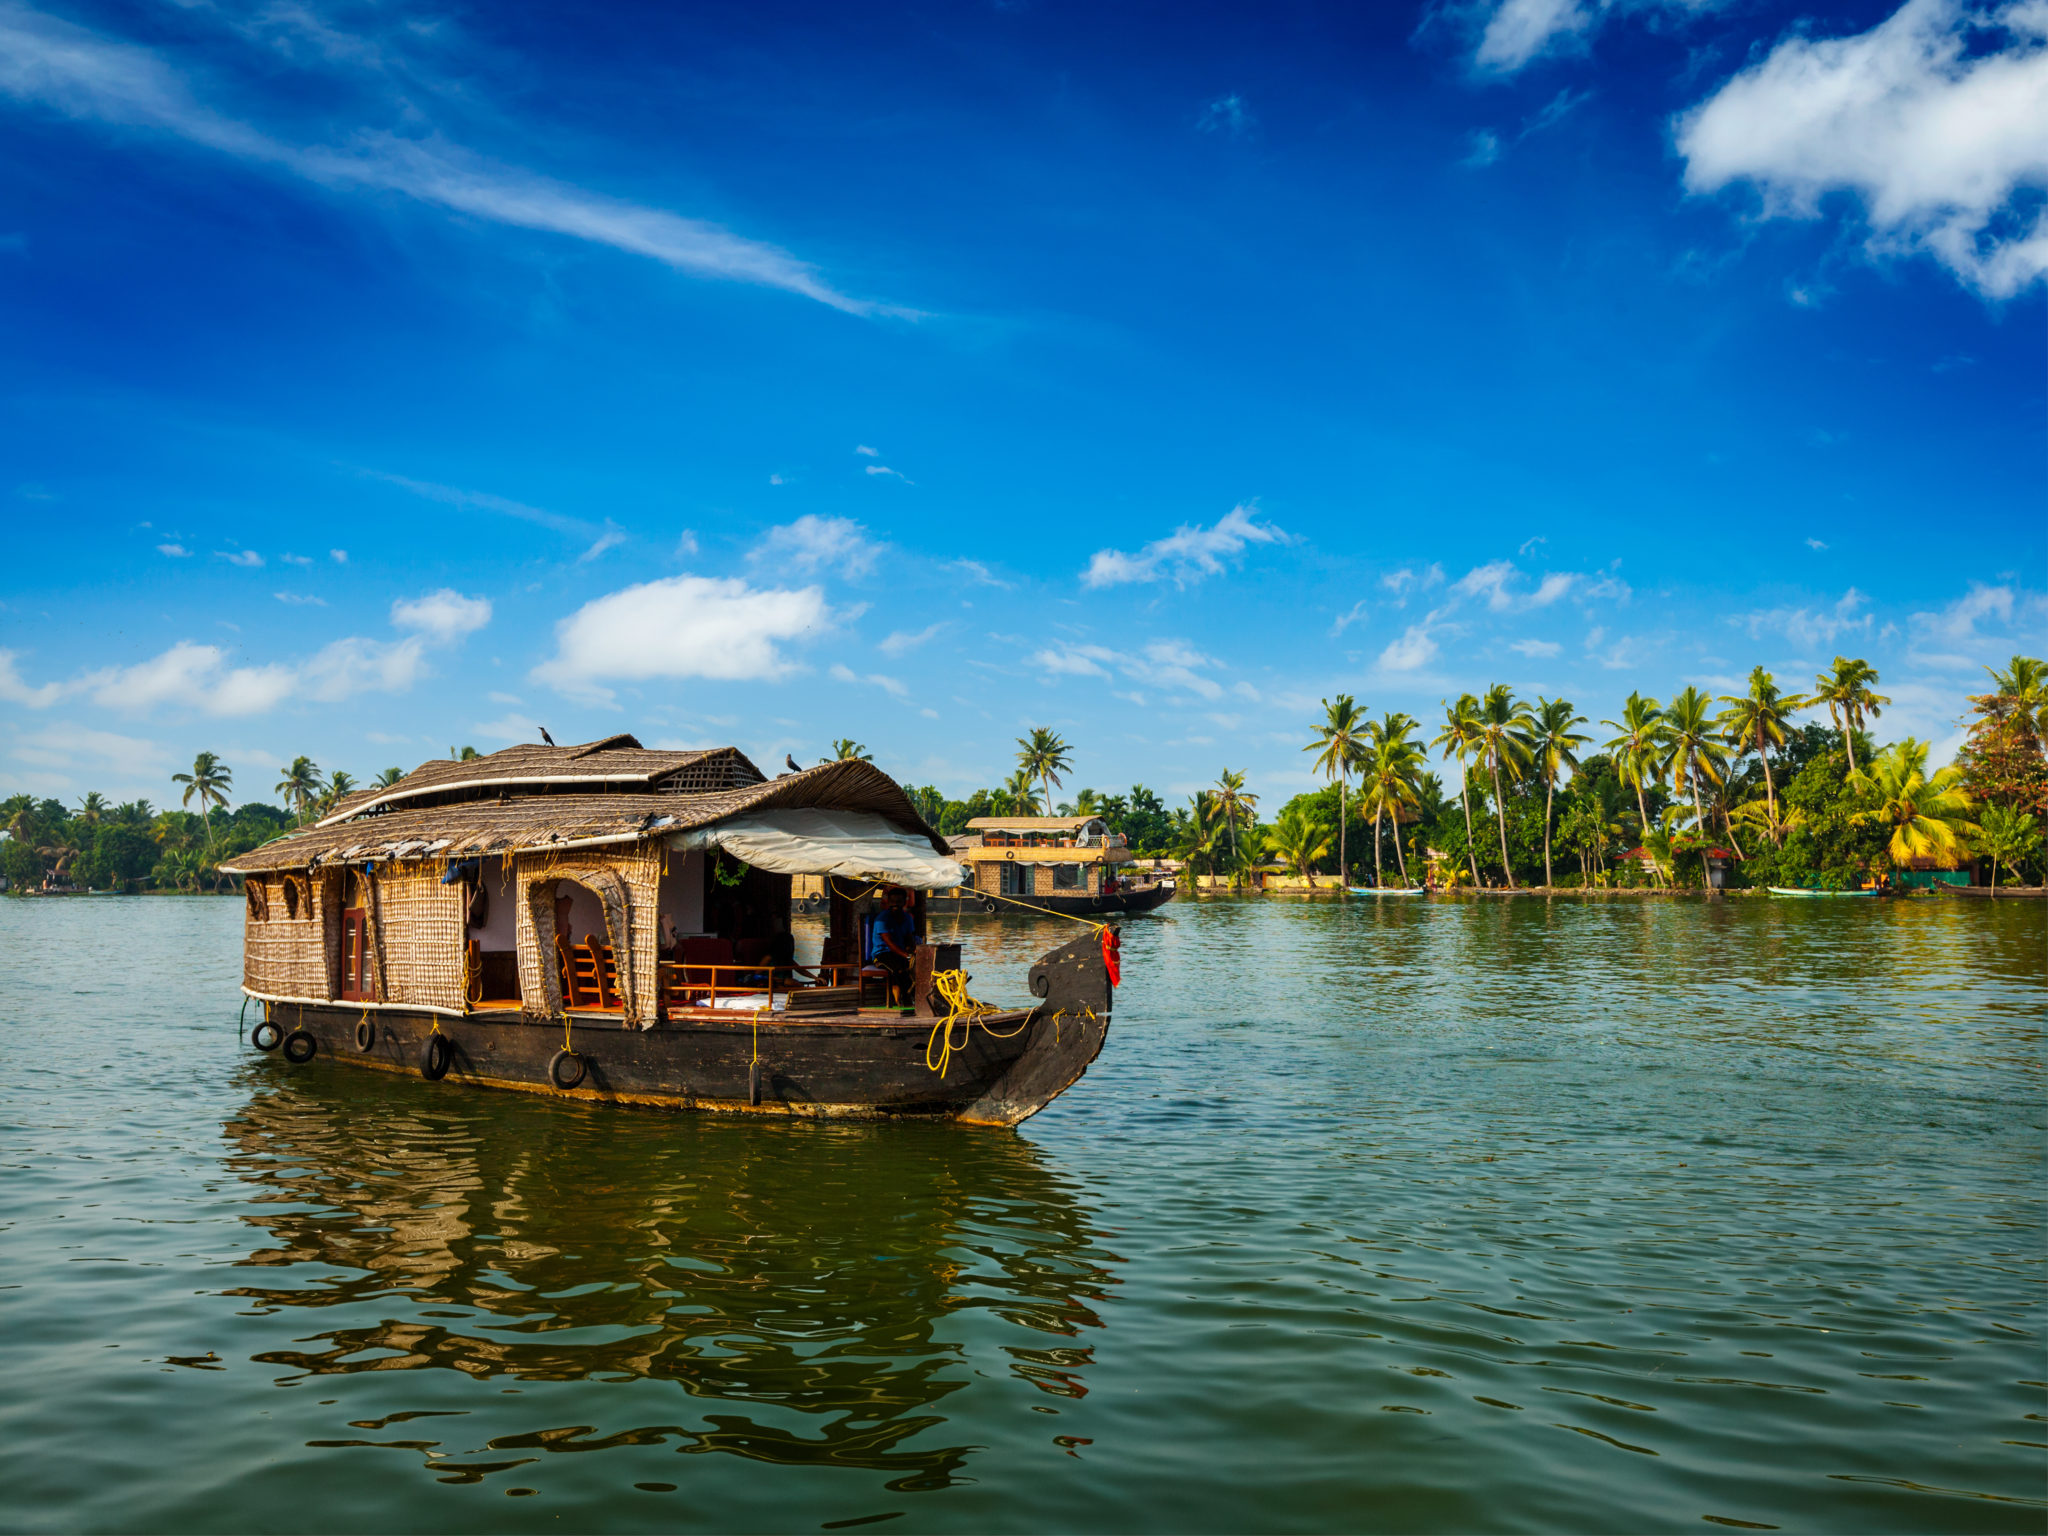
300, 1047
266, 1036
988, 905
434, 1057
366, 1034
566, 1069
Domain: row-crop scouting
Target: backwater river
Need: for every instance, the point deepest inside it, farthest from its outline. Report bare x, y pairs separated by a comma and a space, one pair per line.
1446, 1215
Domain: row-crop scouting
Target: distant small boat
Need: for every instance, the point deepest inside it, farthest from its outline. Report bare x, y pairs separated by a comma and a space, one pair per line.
1786, 890
1388, 890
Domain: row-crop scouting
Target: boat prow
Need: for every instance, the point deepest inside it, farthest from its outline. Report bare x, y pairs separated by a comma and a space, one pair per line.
1388, 890
1789, 890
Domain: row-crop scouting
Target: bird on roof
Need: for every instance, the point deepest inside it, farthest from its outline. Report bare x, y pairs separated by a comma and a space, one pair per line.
794, 765
544, 736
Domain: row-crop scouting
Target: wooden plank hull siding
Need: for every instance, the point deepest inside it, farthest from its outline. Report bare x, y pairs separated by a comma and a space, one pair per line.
827, 1068
1072, 904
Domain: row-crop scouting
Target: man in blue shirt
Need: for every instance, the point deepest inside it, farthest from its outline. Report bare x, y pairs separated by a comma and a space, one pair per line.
892, 941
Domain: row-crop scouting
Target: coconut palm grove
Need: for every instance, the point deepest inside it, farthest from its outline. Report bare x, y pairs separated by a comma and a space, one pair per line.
1801, 788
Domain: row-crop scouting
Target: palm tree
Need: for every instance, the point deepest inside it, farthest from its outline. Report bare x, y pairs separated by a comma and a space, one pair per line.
1393, 763
388, 777
339, 783
210, 779
1503, 726
1021, 792
845, 750
1695, 749
2008, 835
1459, 738
2022, 690
1340, 747
1230, 803
1755, 722
1928, 817
465, 755
92, 808
1045, 757
300, 784
1638, 748
1846, 691
1300, 840
1552, 738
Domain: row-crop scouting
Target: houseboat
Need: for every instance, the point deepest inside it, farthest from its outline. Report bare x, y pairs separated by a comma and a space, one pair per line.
1069, 864
611, 922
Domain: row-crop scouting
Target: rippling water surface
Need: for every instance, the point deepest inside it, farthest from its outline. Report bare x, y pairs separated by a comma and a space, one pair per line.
1416, 1216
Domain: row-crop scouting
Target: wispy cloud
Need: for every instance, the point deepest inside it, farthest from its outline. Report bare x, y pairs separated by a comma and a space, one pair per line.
1411, 651
902, 641
483, 501
1186, 555
175, 551
1807, 625
839, 672
883, 469
1815, 544
243, 557
89, 76
1536, 650
446, 615
300, 599
1172, 664
1482, 148
611, 538
1226, 115
1357, 615
812, 543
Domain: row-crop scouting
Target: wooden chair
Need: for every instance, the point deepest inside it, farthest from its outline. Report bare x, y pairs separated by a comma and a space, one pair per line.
869, 972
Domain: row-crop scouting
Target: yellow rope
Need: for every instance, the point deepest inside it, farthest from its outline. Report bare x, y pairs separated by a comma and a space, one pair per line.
1044, 911
965, 1011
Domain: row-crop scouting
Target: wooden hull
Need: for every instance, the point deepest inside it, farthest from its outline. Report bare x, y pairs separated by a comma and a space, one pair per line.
1118, 904
1001, 1070
1786, 890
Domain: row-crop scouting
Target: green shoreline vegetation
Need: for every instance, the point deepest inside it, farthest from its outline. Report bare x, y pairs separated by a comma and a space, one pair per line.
1811, 806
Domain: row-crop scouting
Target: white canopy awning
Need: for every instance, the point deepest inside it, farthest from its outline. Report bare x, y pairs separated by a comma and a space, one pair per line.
857, 844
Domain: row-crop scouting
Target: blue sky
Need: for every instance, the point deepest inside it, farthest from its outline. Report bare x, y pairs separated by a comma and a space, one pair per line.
386, 377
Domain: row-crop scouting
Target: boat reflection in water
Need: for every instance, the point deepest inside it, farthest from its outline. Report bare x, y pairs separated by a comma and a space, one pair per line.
817, 1291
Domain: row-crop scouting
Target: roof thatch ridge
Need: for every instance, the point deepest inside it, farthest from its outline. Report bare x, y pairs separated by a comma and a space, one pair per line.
535, 822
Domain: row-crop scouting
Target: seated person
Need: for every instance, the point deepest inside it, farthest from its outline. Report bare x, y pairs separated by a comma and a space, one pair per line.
892, 941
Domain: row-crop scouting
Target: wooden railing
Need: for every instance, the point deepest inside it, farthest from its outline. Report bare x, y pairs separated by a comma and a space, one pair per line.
684, 985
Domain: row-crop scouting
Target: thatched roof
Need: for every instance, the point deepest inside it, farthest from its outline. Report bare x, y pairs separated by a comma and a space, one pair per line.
617, 762
1030, 823
539, 822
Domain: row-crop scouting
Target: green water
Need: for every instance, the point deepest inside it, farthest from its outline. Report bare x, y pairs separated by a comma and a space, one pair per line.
1417, 1216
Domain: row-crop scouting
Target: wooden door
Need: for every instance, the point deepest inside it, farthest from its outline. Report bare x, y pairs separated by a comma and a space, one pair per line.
357, 979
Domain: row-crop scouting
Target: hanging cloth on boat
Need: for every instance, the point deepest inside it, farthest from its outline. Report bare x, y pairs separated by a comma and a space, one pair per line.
857, 844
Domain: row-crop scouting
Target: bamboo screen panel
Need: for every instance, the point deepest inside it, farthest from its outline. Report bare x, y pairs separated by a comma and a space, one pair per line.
420, 928
284, 955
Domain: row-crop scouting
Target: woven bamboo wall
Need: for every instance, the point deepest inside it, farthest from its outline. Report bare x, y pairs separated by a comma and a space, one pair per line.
283, 955
627, 879
419, 936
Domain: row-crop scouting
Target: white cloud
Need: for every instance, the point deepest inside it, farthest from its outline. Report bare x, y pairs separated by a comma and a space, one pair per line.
1551, 588
1187, 554
811, 542
883, 469
1981, 626
1808, 627
1936, 118
1489, 581
338, 556
1519, 31
505, 698
1412, 650
611, 538
1161, 664
1530, 543
1357, 615
15, 690
1815, 544
863, 448
445, 615
903, 640
1405, 580
71, 746
355, 665
1536, 649
193, 677
683, 626
775, 479
300, 599
840, 673
175, 551
90, 77
686, 546
981, 575
244, 557
295, 559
